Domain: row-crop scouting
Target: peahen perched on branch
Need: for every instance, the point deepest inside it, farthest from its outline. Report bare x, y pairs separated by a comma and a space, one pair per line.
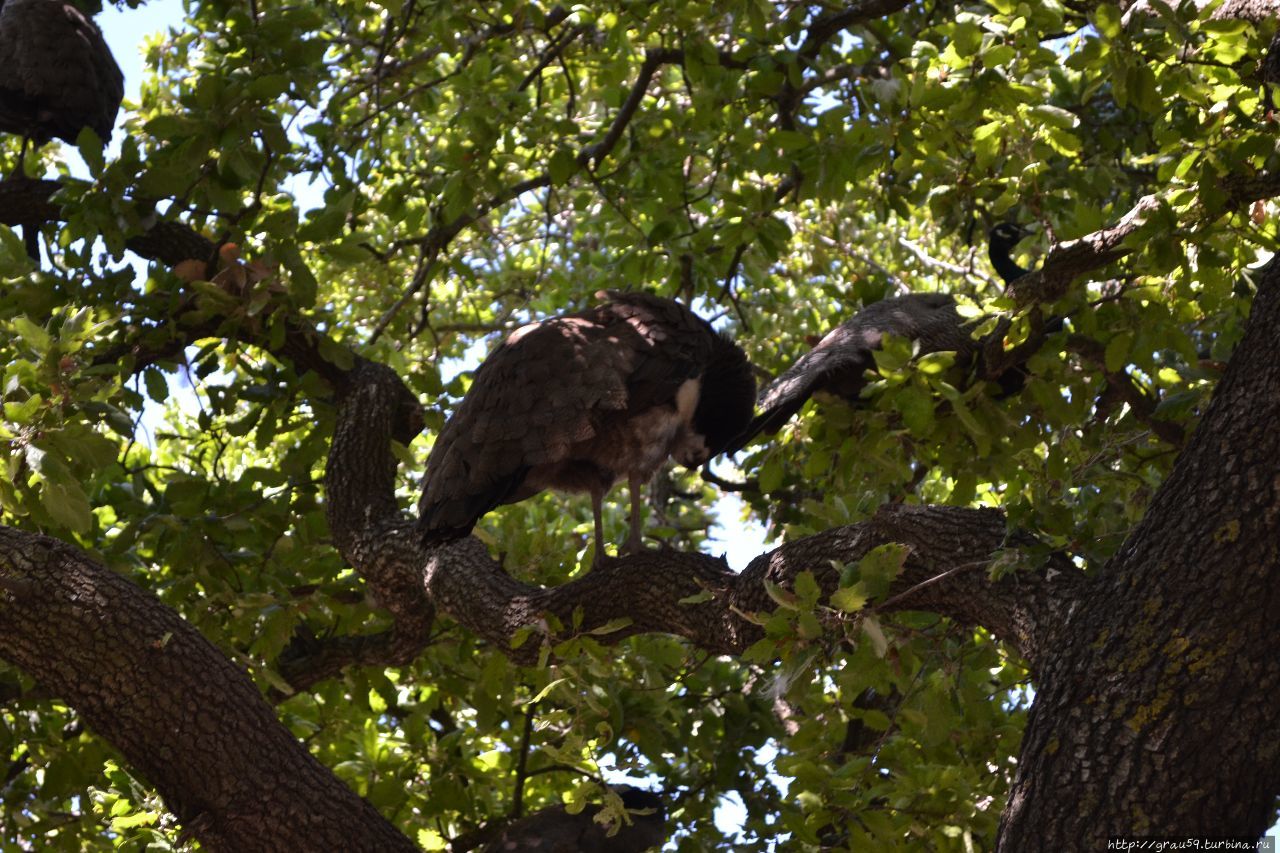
579, 401
838, 364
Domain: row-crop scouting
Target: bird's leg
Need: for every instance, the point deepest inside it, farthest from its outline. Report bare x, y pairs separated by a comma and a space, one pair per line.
635, 543
29, 230
30, 238
597, 510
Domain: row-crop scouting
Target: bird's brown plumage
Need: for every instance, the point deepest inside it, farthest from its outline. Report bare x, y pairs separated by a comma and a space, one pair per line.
57, 75
578, 401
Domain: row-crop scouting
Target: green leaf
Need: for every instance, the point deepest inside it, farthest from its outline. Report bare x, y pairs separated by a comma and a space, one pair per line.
880, 567
894, 354
806, 587
781, 596
542, 694
135, 820
157, 387
871, 627
1117, 352
68, 505
24, 412
612, 626
771, 475
1106, 17
336, 354
986, 141
90, 145
967, 38
562, 166
916, 408
34, 336
850, 599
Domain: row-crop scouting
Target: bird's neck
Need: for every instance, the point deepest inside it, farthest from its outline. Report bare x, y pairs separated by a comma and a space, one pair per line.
1004, 265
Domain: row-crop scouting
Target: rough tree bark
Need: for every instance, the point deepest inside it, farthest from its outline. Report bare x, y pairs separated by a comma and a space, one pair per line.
1108, 643
187, 719
1156, 714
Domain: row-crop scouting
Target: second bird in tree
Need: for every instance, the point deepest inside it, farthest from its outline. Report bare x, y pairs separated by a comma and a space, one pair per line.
57, 75
840, 362
580, 401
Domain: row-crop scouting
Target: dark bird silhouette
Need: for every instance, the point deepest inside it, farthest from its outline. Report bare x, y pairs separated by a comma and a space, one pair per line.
554, 830
1000, 242
57, 75
839, 363
578, 402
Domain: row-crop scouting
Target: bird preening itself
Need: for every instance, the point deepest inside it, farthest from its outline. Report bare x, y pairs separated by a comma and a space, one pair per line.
57, 75
839, 363
580, 401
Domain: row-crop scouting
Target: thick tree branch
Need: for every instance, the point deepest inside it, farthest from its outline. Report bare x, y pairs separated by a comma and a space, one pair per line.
950, 551
190, 721
26, 202
828, 26
308, 660
368, 528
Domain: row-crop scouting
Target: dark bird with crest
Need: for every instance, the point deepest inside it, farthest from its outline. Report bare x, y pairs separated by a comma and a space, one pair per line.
580, 401
839, 363
57, 75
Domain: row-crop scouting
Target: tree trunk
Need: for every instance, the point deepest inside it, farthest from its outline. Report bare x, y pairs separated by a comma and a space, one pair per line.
1158, 714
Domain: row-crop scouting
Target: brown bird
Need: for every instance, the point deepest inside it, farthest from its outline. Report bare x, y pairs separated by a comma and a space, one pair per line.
578, 402
57, 75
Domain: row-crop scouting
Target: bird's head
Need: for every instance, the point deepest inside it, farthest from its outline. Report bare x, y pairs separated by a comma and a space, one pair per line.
1006, 235
726, 401
1000, 242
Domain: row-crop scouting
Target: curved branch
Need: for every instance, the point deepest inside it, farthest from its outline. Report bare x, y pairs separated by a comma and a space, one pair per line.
1068, 261
461, 579
951, 550
189, 720
368, 528
24, 201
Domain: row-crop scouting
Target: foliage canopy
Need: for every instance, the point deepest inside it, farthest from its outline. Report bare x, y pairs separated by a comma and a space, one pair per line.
417, 177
